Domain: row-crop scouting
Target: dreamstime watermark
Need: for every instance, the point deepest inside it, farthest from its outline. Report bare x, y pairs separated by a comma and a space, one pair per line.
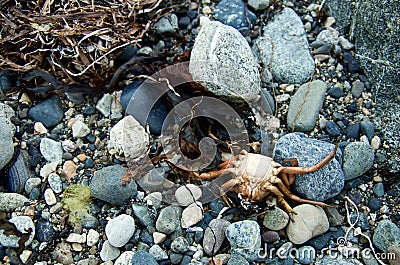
165, 82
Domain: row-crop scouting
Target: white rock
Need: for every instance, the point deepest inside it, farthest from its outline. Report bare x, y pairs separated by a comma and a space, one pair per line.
128, 138
32, 183
125, 258
79, 129
104, 105
159, 237
191, 215
49, 197
310, 221
51, 150
375, 142
39, 128
23, 224
47, 169
69, 146
76, 238
187, 194
92, 237
345, 43
258, 4
10, 201
120, 229
25, 255
108, 252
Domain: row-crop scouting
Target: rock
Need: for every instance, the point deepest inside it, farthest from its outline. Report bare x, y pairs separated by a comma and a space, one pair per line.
128, 138
345, 43
306, 255
328, 36
221, 53
379, 190
379, 58
305, 105
49, 112
158, 253
6, 137
362, 221
55, 182
168, 220
108, 252
142, 214
76, 238
24, 225
120, 229
352, 64
336, 92
63, 254
332, 129
237, 260
167, 25
49, 197
51, 150
233, 13
337, 259
44, 231
187, 194
191, 215
79, 129
180, 245
320, 185
106, 185
358, 158
89, 221
17, 174
283, 48
395, 259
47, 169
154, 198
376, 143
367, 128
124, 259
275, 219
245, 238
184, 22
10, 201
142, 257
386, 234
357, 89
69, 170
303, 228
214, 236
353, 131
159, 237
104, 105
258, 4
69, 146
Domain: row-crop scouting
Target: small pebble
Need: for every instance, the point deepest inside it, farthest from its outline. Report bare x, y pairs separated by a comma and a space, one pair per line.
379, 190
120, 229
49, 197
374, 204
108, 252
188, 194
191, 215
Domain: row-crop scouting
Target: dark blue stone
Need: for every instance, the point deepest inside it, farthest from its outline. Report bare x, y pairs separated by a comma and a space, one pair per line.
90, 110
351, 63
89, 163
379, 189
367, 128
335, 92
338, 116
233, 13
192, 14
49, 112
319, 242
34, 194
91, 138
90, 222
142, 257
183, 22
353, 131
6, 81
44, 231
352, 108
362, 221
374, 204
332, 128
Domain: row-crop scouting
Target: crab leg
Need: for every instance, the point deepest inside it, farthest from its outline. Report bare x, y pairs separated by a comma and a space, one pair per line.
304, 170
290, 177
280, 199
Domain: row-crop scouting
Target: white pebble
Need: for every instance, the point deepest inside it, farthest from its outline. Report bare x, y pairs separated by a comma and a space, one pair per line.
49, 197
188, 194
120, 229
375, 142
76, 238
92, 237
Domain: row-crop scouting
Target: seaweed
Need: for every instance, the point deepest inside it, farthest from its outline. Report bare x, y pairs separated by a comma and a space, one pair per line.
76, 200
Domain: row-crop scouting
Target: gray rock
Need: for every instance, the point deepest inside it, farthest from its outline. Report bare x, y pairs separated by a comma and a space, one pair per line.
180, 245
32, 183
322, 184
55, 182
214, 236
187, 194
358, 158
305, 105
245, 238
80, 129
367, 128
6, 136
49, 112
108, 252
169, 219
106, 185
62, 253
306, 255
222, 59
233, 13
158, 253
328, 36
51, 150
386, 234
283, 48
18, 173
192, 214
337, 259
10, 201
142, 214
378, 54
357, 88
120, 229
275, 219
237, 260
258, 4
379, 190
142, 257
167, 25
103, 105
23, 224
310, 221
124, 259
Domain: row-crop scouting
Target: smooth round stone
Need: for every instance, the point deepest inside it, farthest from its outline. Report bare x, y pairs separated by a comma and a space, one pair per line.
10, 201
386, 234
214, 236
17, 174
32, 183
49, 112
142, 257
184, 22
374, 204
89, 221
379, 189
50, 197
44, 231
276, 219
187, 194
332, 129
55, 182
24, 225
180, 245
191, 215
89, 110
120, 229
34, 194
357, 89
336, 92
270, 236
158, 253
168, 220
124, 259
232, 13
108, 252
358, 158
51, 150
367, 128
353, 131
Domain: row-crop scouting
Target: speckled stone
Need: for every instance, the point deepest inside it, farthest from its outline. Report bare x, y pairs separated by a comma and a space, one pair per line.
169, 219
275, 219
386, 234
214, 236
233, 13
358, 158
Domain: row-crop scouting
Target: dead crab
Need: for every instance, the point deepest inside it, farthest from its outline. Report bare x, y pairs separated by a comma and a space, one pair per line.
256, 176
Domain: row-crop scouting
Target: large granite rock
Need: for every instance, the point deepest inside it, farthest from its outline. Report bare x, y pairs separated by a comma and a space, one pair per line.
6, 136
